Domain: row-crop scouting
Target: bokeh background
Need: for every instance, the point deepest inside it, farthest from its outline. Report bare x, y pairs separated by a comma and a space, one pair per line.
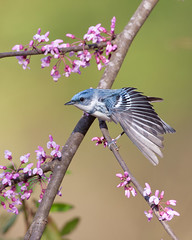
159, 63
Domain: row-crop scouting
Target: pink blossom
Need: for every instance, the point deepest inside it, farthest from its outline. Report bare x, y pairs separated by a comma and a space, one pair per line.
171, 202
149, 214
13, 210
110, 48
41, 38
67, 71
3, 204
85, 57
45, 62
129, 190
27, 169
125, 183
15, 175
100, 140
22, 60
51, 143
3, 167
41, 155
8, 155
94, 34
55, 74
154, 200
25, 158
70, 35
9, 194
31, 43
56, 152
26, 195
162, 195
168, 214
38, 171
18, 47
113, 21
7, 178
147, 190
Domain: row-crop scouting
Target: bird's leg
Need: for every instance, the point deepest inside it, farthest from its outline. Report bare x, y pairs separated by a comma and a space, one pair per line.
114, 141
118, 136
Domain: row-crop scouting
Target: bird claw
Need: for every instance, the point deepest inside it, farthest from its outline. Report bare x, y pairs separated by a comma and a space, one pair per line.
113, 142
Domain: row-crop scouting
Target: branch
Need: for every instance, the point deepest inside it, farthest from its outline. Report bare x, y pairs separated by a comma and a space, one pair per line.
123, 42
113, 148
61, 50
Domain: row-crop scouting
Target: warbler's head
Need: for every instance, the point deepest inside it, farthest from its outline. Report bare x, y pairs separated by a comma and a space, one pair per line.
83, 100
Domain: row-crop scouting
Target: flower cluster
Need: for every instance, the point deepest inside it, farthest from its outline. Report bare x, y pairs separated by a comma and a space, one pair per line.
72, 62
12, 197
165, 211
125, 183
100, 140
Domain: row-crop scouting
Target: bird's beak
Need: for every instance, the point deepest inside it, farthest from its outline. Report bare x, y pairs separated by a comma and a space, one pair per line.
69, 103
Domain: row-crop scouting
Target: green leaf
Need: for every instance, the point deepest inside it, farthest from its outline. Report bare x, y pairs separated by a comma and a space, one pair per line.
70, 226
61, 207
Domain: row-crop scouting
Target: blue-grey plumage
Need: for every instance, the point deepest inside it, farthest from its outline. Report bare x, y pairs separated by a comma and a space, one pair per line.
132, 110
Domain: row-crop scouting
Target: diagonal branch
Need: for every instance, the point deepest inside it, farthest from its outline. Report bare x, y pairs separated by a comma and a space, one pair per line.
123, 42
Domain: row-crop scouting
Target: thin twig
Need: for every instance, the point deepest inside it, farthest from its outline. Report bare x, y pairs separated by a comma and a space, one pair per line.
61, 50
113, 148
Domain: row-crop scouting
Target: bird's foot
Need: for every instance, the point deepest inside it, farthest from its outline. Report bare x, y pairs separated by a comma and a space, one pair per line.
114, 141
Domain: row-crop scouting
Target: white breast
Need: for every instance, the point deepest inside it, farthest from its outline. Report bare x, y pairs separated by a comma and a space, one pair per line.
90, 107
101, 116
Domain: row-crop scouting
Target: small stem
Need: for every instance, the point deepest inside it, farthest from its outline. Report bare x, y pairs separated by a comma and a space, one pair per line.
113, 148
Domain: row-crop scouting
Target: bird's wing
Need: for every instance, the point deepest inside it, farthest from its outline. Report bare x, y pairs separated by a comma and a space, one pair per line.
140, 122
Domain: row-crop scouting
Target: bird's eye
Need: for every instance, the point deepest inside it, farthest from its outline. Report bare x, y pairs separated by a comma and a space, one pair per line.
82, 99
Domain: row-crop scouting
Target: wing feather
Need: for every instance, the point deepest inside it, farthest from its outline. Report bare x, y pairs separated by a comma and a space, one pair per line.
140, 122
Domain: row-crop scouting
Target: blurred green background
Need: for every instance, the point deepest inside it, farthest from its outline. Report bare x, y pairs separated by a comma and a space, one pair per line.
32, 107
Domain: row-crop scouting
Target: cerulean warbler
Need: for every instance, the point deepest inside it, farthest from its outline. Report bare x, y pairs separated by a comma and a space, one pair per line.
132, 110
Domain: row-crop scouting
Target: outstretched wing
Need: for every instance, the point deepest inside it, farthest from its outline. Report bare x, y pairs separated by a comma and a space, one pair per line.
140, 122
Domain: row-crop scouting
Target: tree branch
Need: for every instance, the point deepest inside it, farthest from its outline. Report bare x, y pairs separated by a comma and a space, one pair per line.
61, 50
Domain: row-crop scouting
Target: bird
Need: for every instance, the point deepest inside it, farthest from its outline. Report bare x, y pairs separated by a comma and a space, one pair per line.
133, 111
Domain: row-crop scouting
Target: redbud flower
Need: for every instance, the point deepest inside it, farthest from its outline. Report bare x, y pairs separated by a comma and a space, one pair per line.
51, 143
45, 61
125, 182
8, 154
27, 169
18, 47
113, 21
38, 171
70, 35
149, 214
100, 140
55, 74
56, 152
171, 202
25, 158
31, 43
166, 214
147, 190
